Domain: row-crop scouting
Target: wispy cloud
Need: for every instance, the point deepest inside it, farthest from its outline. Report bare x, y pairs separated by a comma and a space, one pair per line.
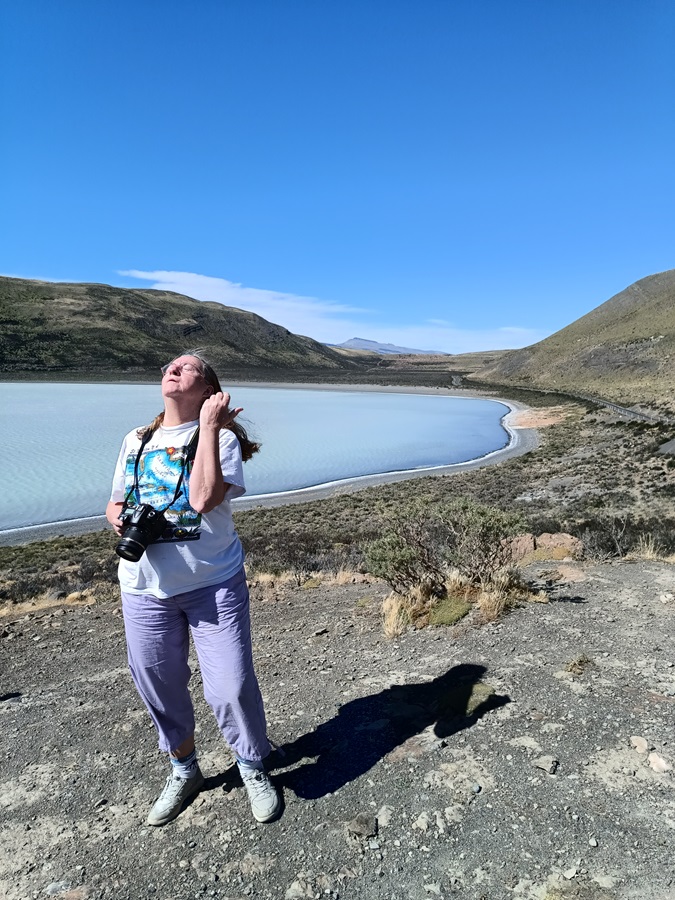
336, 322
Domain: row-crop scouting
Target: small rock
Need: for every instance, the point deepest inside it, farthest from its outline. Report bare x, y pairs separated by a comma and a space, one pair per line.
384, 815
668, 597
298, 890
433, 888
56, 887
363, 825
640, 744
593, 842
422, 822
561, 541
476, 788
658, 763
548, 763
320, 631
569, 874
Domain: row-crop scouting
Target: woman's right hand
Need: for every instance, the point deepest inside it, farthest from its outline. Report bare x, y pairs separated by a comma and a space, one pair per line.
112, 514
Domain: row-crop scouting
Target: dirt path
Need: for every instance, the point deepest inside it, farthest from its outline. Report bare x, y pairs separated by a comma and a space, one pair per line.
491, 762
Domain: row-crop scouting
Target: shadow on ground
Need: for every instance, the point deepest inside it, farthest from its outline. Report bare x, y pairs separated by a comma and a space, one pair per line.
366, 729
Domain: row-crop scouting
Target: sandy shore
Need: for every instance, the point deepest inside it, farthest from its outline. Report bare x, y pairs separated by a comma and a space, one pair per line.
522, 439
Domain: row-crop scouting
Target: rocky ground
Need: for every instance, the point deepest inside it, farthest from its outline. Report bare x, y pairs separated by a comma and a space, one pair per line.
528, 758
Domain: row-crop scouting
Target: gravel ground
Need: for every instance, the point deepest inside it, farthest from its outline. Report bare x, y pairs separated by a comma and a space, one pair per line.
520, 759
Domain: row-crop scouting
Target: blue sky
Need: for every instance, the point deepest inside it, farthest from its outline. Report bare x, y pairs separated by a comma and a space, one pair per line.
447, 174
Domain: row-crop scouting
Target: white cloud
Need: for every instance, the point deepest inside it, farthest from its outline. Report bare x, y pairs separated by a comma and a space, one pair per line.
335, 322
301, 315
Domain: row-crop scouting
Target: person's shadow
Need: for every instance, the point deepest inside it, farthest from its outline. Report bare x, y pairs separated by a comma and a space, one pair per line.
368, 728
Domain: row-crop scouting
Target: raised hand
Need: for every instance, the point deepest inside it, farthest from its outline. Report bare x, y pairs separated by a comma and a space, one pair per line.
216, 413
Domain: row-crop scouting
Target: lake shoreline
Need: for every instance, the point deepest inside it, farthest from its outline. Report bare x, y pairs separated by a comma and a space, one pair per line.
521, 440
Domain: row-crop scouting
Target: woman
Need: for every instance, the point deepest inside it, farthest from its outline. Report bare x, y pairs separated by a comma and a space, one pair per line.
191, 579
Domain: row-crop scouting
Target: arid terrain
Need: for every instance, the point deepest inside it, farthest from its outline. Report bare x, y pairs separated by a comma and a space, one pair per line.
527, 758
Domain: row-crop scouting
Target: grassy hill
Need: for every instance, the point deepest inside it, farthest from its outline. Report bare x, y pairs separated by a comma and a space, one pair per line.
624, 350
55, 329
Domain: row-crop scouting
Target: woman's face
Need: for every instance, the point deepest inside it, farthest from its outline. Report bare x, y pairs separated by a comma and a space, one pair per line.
183, 379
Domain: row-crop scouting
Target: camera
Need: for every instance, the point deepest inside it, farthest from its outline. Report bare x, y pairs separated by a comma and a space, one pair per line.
143, 525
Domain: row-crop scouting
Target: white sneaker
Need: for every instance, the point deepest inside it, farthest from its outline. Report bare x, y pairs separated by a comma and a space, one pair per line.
177, 791
265, 802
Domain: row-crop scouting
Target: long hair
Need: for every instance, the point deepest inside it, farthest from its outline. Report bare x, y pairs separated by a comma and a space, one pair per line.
248, 447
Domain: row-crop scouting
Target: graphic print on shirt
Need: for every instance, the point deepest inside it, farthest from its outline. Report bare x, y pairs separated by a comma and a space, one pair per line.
158, 474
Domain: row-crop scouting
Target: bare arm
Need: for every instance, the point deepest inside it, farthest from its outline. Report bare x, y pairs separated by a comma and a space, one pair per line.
112, 514
207, 488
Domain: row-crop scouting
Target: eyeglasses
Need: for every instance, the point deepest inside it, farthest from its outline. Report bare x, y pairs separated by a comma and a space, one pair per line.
190, 368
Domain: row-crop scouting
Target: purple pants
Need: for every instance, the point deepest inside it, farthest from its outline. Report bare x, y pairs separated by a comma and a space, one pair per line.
158, 637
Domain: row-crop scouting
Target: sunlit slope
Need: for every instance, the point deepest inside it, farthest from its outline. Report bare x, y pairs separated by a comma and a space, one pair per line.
624, 350
54, 328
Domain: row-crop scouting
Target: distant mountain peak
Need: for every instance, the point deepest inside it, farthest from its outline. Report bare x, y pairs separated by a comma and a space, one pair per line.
357, 343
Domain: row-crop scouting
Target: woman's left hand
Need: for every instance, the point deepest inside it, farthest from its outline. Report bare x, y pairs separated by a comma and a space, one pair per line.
216, 412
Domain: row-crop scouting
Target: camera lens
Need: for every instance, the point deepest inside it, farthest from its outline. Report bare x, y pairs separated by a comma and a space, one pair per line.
133, 543
130, 549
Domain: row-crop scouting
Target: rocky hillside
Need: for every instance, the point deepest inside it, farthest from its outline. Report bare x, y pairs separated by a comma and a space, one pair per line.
95, 329
624, 350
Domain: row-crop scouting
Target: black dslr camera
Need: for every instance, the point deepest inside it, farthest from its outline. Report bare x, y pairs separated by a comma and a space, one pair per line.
143, 525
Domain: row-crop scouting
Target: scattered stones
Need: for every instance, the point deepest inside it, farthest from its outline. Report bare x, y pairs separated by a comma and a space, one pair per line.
668, 597
547, 763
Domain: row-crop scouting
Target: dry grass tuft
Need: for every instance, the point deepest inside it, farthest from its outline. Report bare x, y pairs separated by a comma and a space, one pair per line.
345, 576
579, 664
395, 615
648, 548
491, 605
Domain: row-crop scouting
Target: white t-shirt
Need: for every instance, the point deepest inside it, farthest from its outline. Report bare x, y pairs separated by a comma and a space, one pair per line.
197, 549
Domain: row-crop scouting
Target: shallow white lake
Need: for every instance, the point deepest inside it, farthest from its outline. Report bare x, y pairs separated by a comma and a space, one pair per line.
61, 440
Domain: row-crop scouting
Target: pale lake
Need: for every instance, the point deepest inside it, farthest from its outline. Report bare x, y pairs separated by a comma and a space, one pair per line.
61, 440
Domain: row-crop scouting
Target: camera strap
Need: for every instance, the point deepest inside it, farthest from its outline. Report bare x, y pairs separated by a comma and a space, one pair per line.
188, 458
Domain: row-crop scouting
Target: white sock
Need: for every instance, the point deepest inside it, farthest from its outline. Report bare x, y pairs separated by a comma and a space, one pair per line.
250, 764
186, 767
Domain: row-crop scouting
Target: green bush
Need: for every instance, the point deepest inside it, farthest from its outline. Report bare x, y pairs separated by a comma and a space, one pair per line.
422, 542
